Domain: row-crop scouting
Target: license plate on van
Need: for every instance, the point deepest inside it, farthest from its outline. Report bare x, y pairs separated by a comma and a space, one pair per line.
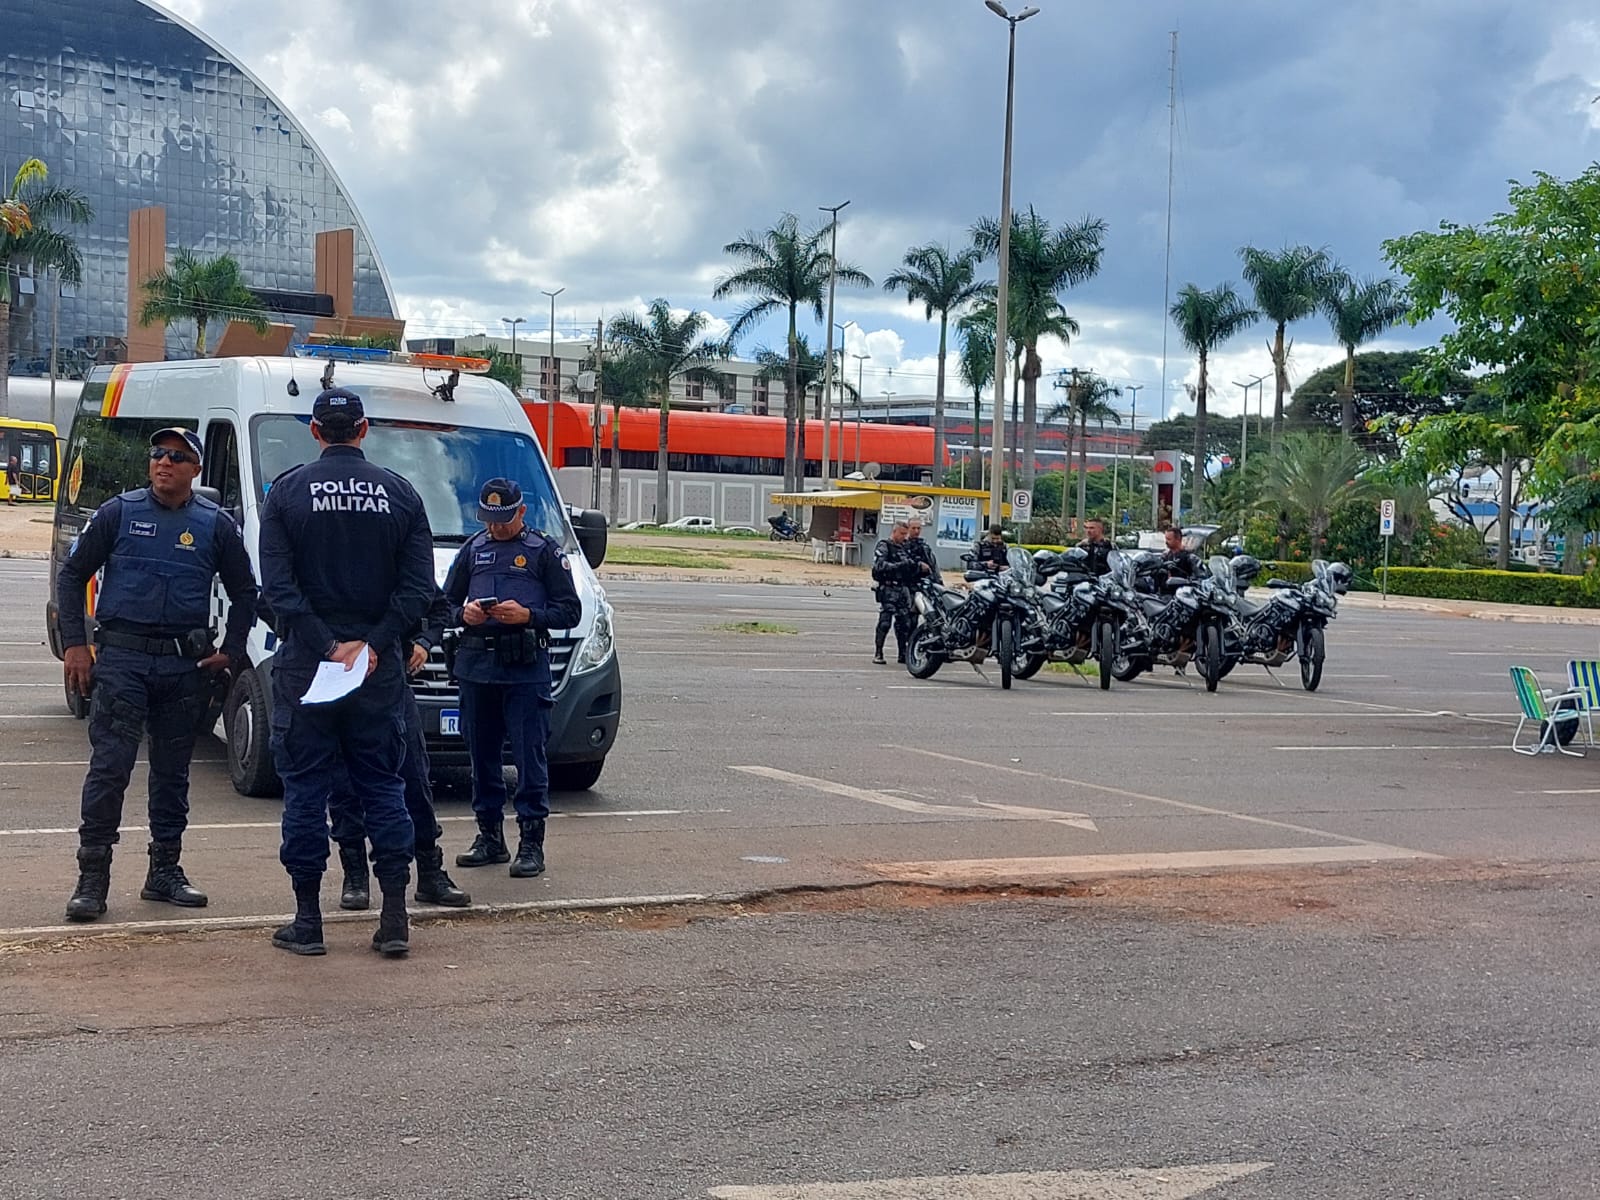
450, 722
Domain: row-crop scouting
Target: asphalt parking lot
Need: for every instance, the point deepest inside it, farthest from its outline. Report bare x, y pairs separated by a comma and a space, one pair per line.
782, 759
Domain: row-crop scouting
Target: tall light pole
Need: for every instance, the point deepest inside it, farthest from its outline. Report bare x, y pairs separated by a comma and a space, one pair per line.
843, 331
860, 373
513, 322
827, 353
997, 440
1133, 423
888, 406
555, 387
1244, 418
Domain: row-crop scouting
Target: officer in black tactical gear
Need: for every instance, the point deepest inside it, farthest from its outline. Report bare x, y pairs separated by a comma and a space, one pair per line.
893, 571
1097, 546
160, 546
347, 569
991, 551
920, 550
509, 587
434, 886
1178, 564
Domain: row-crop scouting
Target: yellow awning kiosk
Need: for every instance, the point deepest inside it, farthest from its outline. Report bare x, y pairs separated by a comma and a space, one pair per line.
829, 499
953, 518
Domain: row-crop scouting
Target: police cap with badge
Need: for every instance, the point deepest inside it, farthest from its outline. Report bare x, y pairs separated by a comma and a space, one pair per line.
334, 407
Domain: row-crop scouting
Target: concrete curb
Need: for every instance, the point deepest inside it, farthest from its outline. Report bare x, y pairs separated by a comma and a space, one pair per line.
34, 554
1529, 614
607, 576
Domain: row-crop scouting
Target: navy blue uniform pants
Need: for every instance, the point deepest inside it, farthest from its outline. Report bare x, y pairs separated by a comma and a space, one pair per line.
490, 714
134, 694
365, 734
345, 811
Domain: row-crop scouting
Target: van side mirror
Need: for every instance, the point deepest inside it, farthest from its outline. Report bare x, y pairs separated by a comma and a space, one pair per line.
208, 493
590, 526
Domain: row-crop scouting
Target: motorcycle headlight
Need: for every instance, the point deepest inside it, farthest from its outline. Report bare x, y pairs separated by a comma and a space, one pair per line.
599, 646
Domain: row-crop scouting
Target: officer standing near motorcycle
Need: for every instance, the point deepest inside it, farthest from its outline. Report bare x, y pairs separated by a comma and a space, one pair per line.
347, 569
160, 547
1096, 546
991, 554
509, 586
894, 569
1176, 562
434, 886
920, 550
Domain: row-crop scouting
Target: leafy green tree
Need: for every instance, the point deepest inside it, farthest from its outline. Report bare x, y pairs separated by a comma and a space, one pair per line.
31, 209
1088, 395
1383, 396
1205, 320
1309, 478
941, 282
976, 366
809, 370
201, 290
1523, 291
625, 382
1044, 262
1177, 433
783, 269
671, 347
1358, 311
1289, 285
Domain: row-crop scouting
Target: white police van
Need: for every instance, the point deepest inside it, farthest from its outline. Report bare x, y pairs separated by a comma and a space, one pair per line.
433, 421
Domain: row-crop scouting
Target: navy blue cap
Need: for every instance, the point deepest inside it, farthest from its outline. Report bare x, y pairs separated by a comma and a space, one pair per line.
189, 436
499, 501
338, 404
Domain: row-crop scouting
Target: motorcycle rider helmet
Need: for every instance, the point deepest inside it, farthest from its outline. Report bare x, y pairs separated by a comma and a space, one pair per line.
1341, 577
1245, 568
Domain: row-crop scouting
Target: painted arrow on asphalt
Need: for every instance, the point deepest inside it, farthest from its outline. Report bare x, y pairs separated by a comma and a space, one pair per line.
1162, 1183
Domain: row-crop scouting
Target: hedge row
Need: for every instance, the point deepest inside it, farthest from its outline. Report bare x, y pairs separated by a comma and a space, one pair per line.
1440, 583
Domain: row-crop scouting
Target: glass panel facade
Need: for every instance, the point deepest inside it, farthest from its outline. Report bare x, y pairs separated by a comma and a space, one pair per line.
133, 109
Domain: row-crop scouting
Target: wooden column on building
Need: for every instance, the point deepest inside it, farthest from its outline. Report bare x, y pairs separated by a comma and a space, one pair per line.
147, 256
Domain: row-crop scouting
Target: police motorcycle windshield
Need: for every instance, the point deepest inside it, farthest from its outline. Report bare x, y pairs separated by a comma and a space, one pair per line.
1122, 569
446, 464
1020, 561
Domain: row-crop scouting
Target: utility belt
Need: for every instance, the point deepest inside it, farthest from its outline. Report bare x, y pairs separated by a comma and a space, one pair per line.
194, 643
510, 647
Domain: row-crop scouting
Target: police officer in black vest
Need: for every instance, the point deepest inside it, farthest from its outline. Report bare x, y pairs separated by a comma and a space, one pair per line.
161, 546
509, 586
347, 569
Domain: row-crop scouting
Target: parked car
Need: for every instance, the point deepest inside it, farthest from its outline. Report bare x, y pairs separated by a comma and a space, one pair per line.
740, 530
638, 525
701, 523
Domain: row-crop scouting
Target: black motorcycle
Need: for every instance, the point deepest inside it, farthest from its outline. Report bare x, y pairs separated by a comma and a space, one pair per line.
1074, 615
784, 529
956, 625
1292, 623
1196, 621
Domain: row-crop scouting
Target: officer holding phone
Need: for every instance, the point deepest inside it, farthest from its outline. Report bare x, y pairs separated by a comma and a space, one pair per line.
160, 548
509, 586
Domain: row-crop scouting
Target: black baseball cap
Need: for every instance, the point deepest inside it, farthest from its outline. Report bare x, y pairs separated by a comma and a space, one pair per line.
499, 501
189, 436
338, 404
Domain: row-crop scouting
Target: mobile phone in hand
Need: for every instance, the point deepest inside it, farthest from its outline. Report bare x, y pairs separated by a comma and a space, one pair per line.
487, 602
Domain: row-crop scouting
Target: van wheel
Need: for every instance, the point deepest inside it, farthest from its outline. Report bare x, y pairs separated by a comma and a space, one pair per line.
575, 777
247, 718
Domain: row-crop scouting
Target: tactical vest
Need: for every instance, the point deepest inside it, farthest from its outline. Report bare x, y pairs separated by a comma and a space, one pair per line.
161, 566
506, 570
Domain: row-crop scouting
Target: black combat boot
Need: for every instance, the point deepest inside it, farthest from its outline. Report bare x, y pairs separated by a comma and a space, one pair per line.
94, 881
530, 850
433, 885
303, 935
877, 650
488, 847
166, 880
357, 890
393, 936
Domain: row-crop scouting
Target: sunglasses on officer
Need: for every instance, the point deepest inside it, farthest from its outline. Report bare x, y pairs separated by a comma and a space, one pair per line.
179, 457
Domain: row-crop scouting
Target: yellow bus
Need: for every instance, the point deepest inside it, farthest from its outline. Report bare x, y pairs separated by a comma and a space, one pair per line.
34, 445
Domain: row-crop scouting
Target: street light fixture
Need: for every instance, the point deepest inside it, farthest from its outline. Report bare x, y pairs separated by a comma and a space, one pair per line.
1244, 418
827, 367
843, 350
513, 322
888, 403
997, 438
860, 372
555, 386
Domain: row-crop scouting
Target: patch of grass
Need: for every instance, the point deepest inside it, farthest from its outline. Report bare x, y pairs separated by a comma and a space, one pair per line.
753, 627
650, 556
1083, 668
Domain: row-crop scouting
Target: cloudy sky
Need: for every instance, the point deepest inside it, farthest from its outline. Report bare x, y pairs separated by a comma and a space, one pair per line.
501, 147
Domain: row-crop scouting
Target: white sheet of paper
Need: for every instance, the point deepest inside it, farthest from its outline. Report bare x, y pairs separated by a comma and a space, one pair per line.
332, 682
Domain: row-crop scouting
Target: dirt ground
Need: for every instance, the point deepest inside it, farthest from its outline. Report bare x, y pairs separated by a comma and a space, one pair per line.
780, 562
25, 530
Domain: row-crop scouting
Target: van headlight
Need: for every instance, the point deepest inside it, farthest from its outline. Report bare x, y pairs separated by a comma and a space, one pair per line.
599, 646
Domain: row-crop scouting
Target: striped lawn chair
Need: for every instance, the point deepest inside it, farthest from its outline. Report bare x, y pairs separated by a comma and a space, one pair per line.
1584, 676
1539, 706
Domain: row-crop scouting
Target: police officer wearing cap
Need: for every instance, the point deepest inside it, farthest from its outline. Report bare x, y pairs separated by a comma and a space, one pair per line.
509, 586
160, 547
347, 570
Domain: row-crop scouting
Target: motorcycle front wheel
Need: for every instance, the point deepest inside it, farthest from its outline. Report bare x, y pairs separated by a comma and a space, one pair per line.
1311, 660
1026, 666
1108, 653
1125, 669
1005, 648
921, 659
1210, 656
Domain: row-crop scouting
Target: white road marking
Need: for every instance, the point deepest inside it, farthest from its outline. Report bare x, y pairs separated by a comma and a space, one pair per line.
815, 670
1011, 812
1183, 804
1273, 716
37, 717
1461, 749
1134, 1183
1564, 792
226, 825
1078, 866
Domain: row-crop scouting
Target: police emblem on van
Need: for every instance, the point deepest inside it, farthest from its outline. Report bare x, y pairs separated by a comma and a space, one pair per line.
142, 528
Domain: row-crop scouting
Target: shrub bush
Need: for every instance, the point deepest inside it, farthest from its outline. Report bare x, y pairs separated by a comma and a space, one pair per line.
1499, 587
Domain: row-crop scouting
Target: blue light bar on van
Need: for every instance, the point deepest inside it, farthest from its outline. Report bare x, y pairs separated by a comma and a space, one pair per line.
342, 353
400, 358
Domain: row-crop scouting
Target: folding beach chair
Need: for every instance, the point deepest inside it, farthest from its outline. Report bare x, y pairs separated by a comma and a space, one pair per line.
1541, 706
1584, 676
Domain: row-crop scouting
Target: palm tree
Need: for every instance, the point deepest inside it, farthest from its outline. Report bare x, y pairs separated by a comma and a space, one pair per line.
1087, 397
809, 371
1288, 287
201, 290
940, 282
975, 331
1048, 319
624, 381
1358, 311
1205, 320
1044, 262
783, 268
29, 211
1312, 476
673, 348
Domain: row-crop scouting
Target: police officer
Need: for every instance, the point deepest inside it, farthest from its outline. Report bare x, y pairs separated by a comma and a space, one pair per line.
1096, 546
509, 586
990, 552
160, 546
347, 568
434, 886
1176, 562
893, 570
921, 552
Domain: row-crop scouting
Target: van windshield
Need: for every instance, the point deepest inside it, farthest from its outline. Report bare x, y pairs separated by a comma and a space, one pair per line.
447, 464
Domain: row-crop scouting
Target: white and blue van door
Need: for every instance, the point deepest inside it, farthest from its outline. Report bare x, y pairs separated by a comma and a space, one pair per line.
245, 711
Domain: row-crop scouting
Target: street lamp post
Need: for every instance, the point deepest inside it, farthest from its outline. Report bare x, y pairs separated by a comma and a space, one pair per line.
888, 405
997, 440
513, 322
1133, 424
860, 372
555, 386
843, 332
1244, 418
827, 367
